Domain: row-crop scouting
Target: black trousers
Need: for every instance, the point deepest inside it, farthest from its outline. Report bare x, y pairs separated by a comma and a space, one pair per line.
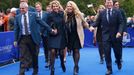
46, 49
101, 49
117, 47
28, 50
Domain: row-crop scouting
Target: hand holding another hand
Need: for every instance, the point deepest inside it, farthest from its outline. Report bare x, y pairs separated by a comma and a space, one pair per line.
124, 33
54, 31
91, 28
118, 35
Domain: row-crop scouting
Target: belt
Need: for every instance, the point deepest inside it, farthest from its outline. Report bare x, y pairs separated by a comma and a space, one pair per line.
25, 35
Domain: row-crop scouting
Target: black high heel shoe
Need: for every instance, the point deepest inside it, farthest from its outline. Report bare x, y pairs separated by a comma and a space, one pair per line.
76, 70
47, 65
63, 67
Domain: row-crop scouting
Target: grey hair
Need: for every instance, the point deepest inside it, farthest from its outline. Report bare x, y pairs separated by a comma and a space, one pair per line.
23, 4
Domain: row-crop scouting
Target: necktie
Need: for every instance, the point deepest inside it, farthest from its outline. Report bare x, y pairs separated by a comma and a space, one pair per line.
40, 14
109, 15
25, 25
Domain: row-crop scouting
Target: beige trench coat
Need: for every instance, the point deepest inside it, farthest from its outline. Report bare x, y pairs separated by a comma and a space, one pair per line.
81, 24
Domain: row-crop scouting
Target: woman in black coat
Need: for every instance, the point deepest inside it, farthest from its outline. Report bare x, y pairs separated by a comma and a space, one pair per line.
58, 41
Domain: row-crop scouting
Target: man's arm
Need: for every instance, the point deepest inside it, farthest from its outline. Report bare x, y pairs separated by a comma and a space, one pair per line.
16, 31
121, 25
46, 26
98, 20
125, 22
43, 23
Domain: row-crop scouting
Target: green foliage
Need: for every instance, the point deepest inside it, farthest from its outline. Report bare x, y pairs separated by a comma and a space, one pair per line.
127, 5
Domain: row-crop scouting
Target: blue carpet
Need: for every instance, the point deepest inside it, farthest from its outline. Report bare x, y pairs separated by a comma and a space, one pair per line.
89, 64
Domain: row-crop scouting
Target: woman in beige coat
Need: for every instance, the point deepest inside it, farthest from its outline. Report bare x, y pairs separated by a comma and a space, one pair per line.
75, 25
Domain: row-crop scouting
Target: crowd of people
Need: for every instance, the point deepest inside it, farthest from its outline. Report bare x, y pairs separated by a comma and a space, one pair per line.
61, 30
52, 26
7, 20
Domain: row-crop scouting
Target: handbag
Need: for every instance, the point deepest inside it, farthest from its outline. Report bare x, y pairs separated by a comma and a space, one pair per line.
54, 26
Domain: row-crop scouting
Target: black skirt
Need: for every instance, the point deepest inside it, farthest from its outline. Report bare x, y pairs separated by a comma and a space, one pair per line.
73, 38
74, 42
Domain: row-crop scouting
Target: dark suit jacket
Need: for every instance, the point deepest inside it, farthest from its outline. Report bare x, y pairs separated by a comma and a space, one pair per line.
99, 34
110, 29
124, 19
34, 22
56, 20
44, 18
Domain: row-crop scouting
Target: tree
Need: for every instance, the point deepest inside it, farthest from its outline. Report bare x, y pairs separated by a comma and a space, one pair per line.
128, 6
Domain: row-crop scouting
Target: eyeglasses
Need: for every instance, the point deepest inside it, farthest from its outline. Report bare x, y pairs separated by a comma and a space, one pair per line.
22, 8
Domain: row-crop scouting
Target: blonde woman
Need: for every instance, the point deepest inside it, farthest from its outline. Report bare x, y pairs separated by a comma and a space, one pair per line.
58, 41
75, 25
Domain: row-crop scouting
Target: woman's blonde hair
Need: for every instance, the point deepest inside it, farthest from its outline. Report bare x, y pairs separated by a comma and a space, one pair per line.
57, 3
75, 8
101, 7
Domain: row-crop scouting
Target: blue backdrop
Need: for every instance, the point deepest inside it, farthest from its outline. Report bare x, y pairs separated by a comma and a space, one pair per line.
9, 52
129, 39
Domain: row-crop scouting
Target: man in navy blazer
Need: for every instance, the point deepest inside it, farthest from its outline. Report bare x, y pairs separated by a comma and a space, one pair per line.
27, 36
111, 22
117, 6
44, 33
31, 9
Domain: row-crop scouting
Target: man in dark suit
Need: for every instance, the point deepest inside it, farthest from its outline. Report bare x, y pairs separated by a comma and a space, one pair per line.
27, 35
117, 6
44, 34
111, 22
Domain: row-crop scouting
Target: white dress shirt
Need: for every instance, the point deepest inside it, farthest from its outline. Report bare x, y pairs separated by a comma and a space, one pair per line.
23, 26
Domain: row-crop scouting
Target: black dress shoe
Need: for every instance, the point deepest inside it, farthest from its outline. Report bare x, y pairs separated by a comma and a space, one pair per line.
109, 72
76, 70
27, 69
47, 65
35, 72
52, 72
21, 74
101, 61
119, 65
63, 67
120, 61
